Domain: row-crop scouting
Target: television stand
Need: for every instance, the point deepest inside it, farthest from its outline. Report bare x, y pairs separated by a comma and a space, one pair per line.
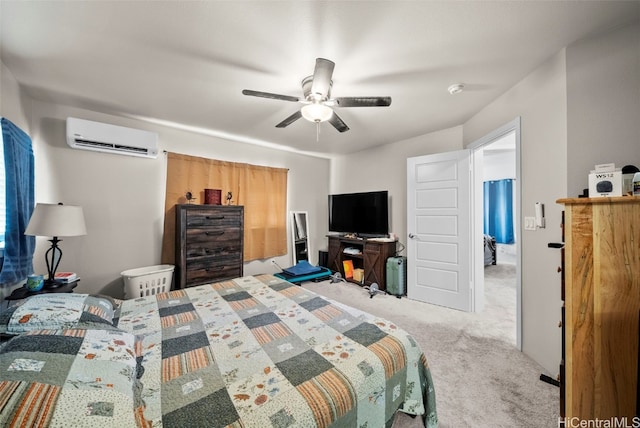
368, 254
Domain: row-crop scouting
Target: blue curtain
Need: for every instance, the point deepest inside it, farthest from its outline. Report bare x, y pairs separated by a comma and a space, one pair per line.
498, 210
19, 201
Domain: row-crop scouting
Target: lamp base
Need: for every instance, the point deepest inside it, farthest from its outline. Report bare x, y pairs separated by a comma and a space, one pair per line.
50, 284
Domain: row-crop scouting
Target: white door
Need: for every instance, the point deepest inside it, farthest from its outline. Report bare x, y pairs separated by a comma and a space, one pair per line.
439, 225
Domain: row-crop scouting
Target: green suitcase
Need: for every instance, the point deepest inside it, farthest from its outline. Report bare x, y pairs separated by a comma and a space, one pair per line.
397, 276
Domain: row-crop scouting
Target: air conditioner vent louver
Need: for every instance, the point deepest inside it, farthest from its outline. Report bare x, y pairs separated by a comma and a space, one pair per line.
109, 146
102, 137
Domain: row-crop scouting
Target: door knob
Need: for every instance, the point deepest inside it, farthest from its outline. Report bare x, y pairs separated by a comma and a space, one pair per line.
411, 236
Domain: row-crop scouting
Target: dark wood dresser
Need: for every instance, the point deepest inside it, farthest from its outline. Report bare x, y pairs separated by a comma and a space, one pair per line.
209, 243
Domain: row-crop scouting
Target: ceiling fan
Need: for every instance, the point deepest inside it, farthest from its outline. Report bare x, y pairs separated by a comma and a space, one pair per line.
317, 99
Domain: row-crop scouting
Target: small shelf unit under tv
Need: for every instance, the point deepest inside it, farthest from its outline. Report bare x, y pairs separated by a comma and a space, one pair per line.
372, 257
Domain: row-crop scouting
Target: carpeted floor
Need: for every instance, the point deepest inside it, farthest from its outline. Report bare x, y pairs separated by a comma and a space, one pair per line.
481, 379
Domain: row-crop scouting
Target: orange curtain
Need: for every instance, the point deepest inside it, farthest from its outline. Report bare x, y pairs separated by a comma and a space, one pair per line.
261, 190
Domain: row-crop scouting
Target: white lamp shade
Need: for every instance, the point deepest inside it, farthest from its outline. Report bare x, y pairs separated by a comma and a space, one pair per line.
316, 112
56, 220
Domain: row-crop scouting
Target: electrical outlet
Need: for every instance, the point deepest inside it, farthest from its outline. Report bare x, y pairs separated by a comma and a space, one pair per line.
529, 223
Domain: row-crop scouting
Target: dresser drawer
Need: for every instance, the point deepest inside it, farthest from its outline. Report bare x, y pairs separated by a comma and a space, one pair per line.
213, 248
213, 217
216, 236
203, 270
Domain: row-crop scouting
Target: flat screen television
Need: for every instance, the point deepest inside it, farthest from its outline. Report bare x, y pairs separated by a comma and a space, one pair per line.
365, 214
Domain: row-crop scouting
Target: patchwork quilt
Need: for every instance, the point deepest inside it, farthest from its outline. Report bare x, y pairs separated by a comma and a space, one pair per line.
250, 352
68, 378
262, 352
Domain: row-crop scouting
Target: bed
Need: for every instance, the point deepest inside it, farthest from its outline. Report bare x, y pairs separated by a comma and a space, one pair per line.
255, 351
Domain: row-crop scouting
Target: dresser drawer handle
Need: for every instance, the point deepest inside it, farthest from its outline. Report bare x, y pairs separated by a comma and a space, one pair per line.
216, 233
214, 217
210, 251
215, 269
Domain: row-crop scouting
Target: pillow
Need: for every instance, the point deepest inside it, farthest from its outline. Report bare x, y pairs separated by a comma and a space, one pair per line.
77, 377
55, 311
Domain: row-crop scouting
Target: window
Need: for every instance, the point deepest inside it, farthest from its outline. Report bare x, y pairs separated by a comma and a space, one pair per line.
261, 190
3, 199
17, 179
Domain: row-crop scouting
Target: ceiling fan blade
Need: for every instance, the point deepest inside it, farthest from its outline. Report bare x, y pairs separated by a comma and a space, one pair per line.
288, 121
338, 123
270, 95
322, 77
363, 101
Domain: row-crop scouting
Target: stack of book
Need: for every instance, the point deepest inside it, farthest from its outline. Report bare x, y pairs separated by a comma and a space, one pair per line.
347, 265
65, 277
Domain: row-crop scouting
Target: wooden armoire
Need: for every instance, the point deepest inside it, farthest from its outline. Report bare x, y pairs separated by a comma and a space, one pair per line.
602, 303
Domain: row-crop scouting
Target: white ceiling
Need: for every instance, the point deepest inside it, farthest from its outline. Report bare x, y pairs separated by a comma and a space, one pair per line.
187, 62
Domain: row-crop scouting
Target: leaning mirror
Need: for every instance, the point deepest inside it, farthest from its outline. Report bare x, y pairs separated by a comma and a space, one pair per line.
299, 236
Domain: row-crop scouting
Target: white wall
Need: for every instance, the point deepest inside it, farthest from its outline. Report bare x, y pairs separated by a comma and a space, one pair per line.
123, 197
385, 168
498, 164
540, 101
603, 91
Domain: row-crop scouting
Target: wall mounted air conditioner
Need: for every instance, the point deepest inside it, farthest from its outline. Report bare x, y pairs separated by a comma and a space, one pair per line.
102, 137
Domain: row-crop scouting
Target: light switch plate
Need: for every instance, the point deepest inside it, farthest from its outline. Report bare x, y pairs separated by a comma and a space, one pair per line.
529, 223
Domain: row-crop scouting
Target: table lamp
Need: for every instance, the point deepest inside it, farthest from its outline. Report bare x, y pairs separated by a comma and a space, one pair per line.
55, 220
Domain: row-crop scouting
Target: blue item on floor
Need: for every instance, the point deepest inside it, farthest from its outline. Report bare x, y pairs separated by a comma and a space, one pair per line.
302, 268
303, 271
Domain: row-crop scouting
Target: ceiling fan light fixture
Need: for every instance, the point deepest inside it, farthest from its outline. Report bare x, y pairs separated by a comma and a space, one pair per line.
318, 104
316, 112
456, 88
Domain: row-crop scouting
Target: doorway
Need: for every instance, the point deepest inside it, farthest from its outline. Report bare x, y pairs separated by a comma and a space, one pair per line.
445, 225
497, 160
